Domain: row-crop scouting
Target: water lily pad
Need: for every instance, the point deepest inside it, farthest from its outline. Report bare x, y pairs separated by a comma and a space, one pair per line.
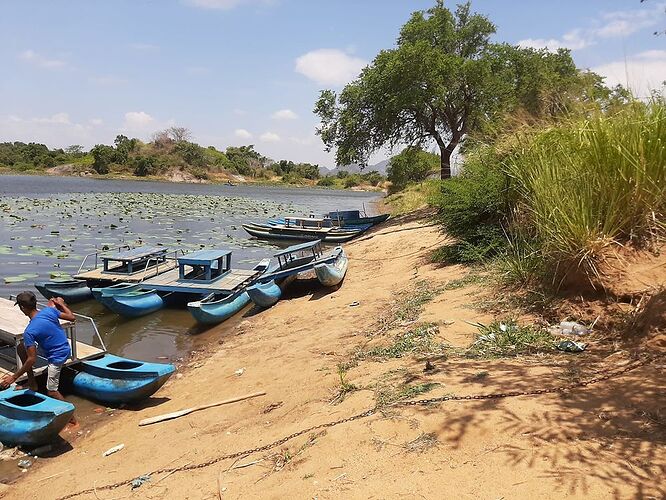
13, 279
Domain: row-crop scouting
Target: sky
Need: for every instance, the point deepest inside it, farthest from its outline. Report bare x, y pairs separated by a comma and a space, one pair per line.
238, 72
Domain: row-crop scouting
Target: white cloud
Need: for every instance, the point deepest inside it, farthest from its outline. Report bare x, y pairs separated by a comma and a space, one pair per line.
239, 112
141, 123
284, 114
32, 57
241, 133
96, 122
615, 24
573, 40
329, 66
641, 73
62, 118
269, 137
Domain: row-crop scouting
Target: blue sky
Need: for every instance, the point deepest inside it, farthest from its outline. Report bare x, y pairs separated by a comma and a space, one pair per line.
249, 71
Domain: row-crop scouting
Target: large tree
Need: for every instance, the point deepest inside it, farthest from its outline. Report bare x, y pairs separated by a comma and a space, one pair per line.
437, 85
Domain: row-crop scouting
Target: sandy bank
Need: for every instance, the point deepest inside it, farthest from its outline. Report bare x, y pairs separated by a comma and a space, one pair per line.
605, 441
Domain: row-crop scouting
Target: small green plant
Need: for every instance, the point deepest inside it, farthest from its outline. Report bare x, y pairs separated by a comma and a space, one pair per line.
387, 394
417, 340
508, 338
345, 387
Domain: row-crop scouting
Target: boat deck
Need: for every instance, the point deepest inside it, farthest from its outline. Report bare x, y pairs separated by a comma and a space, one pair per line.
99, 274
227, 283
12, 324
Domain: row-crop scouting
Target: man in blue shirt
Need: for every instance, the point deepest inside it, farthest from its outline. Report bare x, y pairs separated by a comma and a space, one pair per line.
43, 332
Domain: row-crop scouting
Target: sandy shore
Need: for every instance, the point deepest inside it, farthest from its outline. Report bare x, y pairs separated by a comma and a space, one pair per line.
606, 441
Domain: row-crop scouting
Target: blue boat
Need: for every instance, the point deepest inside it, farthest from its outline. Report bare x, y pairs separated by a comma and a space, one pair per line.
304, 229
332, 274
215, 309
135, 303
348, 218
29, 418
292, 261
265, 294
72, 291
118, 289
111, 379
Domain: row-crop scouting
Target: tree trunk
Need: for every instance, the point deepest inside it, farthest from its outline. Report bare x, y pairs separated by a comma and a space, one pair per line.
445, 162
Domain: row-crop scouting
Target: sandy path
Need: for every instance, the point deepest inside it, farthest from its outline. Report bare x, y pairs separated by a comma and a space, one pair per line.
607, 441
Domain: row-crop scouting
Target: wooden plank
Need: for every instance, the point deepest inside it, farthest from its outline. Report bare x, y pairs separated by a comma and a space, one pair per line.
135, 277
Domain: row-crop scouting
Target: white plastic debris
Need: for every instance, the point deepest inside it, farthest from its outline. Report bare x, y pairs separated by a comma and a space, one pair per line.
113, 450
240, 371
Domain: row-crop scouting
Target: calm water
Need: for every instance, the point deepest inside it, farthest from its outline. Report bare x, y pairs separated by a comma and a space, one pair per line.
49, 224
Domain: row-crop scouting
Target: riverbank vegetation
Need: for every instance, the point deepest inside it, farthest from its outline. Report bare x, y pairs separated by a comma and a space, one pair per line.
171, 155
559, 175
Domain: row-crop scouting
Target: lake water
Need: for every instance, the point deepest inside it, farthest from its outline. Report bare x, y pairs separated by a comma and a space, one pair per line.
49, 224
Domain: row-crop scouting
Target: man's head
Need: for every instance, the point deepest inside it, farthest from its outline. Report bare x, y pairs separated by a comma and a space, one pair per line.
27, 302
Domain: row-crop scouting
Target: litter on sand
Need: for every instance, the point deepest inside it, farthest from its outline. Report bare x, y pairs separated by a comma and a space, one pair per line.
571, 346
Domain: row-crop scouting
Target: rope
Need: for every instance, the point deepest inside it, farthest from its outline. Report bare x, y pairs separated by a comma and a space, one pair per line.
368, 413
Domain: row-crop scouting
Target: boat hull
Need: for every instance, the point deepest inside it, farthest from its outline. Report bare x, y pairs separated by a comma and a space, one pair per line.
134, 305
72, 291
109, 291
115, 380
28, 418
268, 232
357, 220
214, 312
265, 294
333, 274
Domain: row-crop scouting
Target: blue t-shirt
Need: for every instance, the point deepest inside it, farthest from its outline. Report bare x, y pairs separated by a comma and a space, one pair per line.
44, 329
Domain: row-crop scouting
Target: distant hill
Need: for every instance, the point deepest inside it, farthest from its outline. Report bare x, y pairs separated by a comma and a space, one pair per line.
355, 168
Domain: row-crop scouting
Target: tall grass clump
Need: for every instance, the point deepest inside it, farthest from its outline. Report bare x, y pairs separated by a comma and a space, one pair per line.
586, 187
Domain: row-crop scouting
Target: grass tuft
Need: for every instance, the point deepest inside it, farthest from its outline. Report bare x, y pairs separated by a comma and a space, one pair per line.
507, 338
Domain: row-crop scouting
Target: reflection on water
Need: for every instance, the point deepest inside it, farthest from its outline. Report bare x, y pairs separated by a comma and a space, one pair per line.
48, 225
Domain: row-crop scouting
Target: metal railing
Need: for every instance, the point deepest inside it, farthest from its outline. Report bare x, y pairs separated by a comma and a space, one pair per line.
96, 254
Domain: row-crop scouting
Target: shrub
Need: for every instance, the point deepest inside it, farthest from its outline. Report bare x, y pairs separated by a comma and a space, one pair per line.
473, 208
327, 181
144, 165
352, 180
103, 157
411, 165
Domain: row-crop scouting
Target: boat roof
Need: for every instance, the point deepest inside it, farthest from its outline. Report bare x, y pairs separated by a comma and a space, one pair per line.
345, 213
134, 253
202, 257
298, 248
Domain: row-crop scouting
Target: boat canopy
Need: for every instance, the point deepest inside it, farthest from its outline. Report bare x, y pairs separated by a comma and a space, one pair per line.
207, 264
345, 214
308, 222
133, 258
297, 254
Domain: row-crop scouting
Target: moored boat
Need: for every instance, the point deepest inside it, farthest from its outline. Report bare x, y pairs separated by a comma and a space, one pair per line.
115, 380
118, 289
135, 303
332, 274
353, 218
72, 291
29, 418
216, 308
265, 294
303, 229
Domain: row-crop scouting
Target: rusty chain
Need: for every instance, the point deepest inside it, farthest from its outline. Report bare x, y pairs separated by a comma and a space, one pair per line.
368, 413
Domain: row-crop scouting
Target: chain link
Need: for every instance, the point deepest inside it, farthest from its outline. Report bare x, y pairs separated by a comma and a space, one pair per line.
370, 412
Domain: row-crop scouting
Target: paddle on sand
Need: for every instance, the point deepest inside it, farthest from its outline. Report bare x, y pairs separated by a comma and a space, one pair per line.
187, 411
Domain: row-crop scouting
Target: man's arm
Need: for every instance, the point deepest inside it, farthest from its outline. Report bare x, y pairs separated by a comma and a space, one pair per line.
29, 362
65, 312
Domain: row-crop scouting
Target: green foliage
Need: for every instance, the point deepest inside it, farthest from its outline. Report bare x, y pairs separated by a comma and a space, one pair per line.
103, 157
373, 178
191, 153
586, 186
342, 174
145, 165
292, 170
352, 180
473, 208
411, 165
508, 338
417, 340
326, 182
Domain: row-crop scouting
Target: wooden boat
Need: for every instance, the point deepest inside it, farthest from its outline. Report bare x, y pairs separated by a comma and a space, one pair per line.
347, 218
331, 274
217, 307
72, 291
29, 418
303, 229
117, 289
135, 303
291, 262
112, 379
